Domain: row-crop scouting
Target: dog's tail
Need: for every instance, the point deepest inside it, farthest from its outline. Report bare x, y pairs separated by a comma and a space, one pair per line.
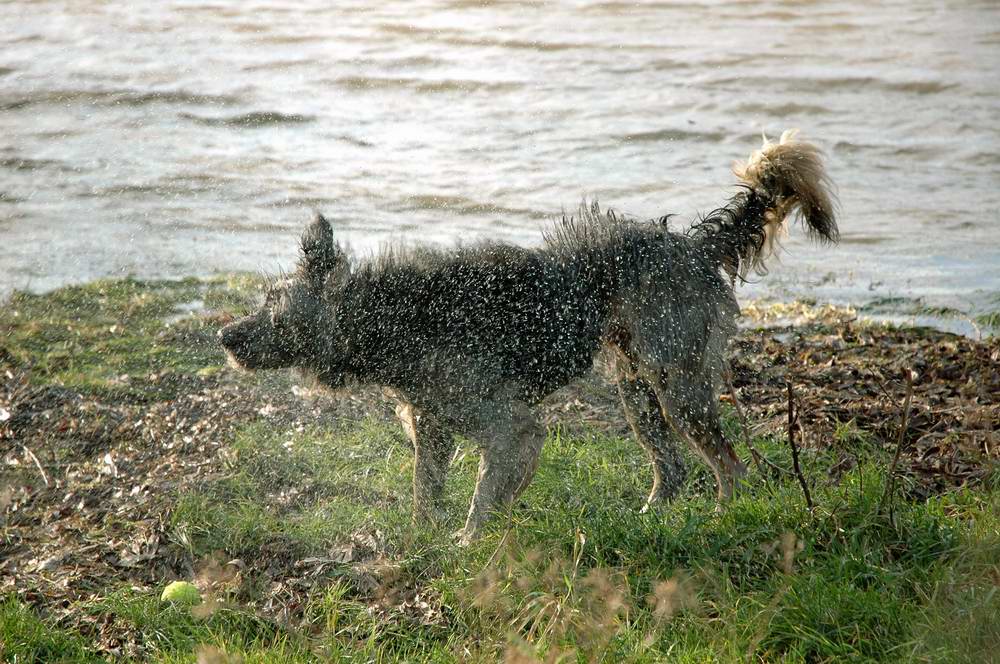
779, 180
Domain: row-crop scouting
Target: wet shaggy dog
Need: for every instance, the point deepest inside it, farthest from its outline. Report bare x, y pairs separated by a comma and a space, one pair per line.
468, 339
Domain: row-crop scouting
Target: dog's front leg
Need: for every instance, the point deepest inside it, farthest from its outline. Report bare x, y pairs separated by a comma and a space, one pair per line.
433, 447
510, 454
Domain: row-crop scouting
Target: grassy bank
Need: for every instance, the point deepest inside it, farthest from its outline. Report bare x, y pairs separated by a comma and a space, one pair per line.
133, 457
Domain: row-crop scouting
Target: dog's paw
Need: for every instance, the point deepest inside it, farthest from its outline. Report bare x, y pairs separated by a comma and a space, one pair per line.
652, 503
655, 502
463, 537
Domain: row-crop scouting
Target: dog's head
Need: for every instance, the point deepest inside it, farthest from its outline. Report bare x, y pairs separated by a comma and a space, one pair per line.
296, 326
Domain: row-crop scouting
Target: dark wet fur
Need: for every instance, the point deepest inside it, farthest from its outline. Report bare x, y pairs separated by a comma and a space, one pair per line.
533, 321
466, 339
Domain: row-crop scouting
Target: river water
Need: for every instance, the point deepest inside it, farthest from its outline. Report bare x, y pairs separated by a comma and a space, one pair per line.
189, 138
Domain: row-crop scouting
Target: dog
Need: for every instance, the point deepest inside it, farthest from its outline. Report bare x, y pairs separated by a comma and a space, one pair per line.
467, 339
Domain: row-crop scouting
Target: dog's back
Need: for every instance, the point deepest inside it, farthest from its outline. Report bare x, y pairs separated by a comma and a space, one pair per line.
475, 319
669, 302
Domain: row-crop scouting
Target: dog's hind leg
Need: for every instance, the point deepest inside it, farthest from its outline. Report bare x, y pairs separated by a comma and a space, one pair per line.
510, 455
689, 405
433, 447
642, 410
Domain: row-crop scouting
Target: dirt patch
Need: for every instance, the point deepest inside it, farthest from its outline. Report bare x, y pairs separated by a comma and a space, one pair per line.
88, 481
854, 375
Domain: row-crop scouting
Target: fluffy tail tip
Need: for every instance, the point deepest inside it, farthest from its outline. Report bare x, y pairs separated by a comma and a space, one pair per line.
790, 171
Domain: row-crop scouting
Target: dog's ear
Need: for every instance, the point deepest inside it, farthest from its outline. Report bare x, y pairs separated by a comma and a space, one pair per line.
321, 256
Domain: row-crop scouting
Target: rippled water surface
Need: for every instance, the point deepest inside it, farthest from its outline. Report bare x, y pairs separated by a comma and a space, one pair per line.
191, 138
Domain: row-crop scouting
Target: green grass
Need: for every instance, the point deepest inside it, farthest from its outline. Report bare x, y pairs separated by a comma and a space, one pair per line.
301, 489
108, 337
989, 320
573, 573
855, 587
26, 638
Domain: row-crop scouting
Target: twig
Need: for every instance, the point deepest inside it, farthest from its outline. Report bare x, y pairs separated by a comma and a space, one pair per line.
792, 419
758, 458
45, 477
904, 422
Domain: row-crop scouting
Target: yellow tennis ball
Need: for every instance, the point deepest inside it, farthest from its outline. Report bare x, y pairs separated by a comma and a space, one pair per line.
181, 592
